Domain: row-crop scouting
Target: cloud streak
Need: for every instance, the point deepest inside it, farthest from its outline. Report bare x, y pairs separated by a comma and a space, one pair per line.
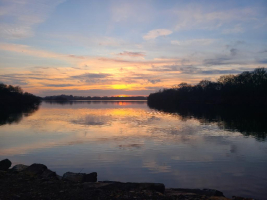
153, 34
20, 17
132, 54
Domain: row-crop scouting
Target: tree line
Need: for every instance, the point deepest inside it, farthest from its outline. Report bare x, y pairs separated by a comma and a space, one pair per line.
247, 88
14, 97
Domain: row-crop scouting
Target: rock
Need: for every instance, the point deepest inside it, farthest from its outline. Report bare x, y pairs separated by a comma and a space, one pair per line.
75, 177
2, 173
19, 168
35, 169
92, 177
206, 192
49, 174
59, 177
158, 187
80, 177
40, 170
5, 164
212, 192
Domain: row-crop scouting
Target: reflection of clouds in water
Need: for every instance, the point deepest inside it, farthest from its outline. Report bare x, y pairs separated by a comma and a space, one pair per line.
147, 121
93, 120
141, 120
131, 146
160, 146
155, 167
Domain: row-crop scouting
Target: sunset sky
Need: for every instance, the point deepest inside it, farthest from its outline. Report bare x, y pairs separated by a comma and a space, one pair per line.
123, 47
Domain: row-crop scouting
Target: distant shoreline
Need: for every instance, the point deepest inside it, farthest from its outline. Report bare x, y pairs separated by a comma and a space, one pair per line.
93, 100
89, 98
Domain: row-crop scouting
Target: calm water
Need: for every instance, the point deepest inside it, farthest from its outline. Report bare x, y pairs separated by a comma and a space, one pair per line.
128, 141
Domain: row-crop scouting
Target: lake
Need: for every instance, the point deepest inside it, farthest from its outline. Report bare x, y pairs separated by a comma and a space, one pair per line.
130, 142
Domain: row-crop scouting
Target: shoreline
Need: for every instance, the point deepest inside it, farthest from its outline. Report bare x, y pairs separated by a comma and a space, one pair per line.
38, 182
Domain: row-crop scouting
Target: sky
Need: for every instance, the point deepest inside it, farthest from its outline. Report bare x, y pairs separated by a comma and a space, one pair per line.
127, 47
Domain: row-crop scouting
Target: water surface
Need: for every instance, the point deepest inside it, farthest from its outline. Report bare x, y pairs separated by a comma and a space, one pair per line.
128, 141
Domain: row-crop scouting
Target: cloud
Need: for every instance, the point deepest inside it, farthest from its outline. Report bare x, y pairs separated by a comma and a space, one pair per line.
28, 50
196, 16
20, 17
237, 29
74, 56
154, 81
24, 49
58, 85
144, 78
92, 77
230, 71
145, 62
198, 70
233, 52
130, 11
217, 61
193, 42
165, 68
132, 54
264, 61
26, 78
156, 33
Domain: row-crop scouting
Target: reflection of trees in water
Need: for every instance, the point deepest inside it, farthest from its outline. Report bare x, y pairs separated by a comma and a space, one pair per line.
15, 115
248, 121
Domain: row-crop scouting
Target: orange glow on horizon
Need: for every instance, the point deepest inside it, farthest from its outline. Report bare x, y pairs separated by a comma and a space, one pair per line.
120, 86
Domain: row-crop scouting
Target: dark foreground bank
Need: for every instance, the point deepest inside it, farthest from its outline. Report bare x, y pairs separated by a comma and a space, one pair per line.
38, 182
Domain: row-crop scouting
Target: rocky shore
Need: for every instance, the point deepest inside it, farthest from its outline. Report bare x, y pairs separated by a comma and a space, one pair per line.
38, 182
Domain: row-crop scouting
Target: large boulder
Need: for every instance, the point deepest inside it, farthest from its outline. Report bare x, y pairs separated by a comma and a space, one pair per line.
5, 164
74, 177
41, 171
80, 177
92, 177
19, 168
49, 174
35, 169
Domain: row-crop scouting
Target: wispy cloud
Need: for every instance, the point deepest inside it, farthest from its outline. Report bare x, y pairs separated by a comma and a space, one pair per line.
132, 54
156, 33
20, 17
193, 42
233, 52
93, 77
58, 85
195, 16
237, 29
200, 70
28, 50
25, 49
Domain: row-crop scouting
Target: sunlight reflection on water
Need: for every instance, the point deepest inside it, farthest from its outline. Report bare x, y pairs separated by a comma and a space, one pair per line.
128, 141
